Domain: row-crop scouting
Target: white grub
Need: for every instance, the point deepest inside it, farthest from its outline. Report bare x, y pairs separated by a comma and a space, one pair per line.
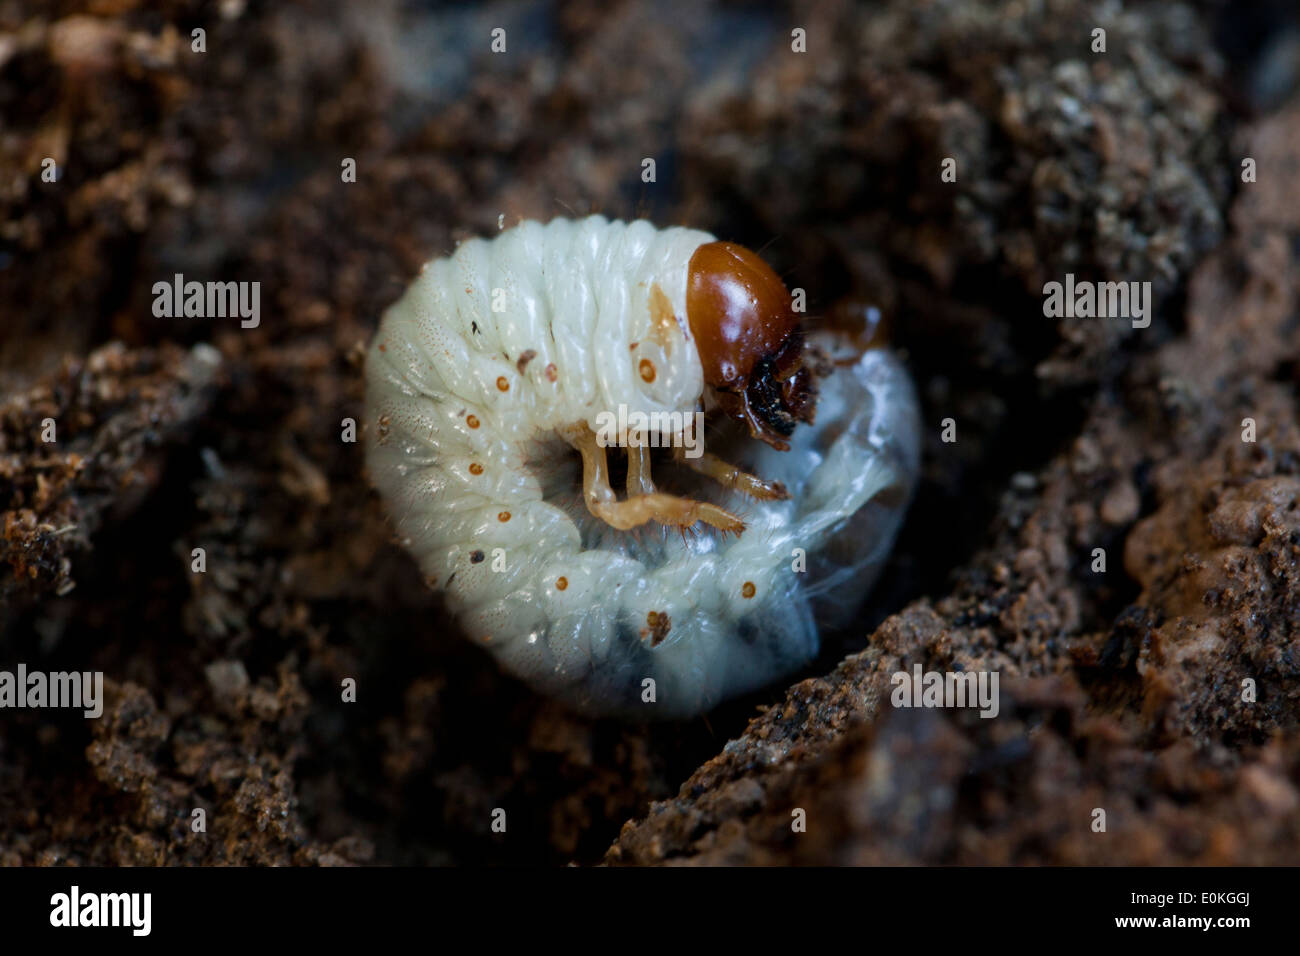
468, 408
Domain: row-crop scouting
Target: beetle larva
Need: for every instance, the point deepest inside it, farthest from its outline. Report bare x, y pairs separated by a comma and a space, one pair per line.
705, 580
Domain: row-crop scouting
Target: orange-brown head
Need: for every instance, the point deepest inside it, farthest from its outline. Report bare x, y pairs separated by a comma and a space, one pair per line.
749, 341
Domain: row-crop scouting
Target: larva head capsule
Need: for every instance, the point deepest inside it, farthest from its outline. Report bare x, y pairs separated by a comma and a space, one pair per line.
749, 341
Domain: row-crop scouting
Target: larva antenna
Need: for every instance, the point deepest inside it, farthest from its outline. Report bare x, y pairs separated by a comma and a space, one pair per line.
812, 322
765, 246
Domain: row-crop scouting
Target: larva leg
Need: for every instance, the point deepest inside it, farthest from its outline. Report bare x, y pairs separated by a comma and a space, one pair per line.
666, 509
637, 510
638, 471
729, 476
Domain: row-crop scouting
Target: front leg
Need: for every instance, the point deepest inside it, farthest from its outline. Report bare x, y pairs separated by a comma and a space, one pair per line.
641, 508
729, 476
638, 471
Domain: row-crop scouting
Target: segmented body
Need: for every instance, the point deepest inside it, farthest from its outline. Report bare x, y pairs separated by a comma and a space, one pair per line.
471, 380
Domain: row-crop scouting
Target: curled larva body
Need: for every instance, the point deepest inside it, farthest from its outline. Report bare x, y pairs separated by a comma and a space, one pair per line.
478, 381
